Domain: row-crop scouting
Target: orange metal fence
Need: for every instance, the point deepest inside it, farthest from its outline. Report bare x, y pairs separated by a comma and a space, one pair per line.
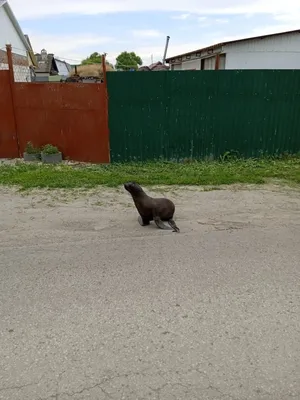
8, 135
71, 116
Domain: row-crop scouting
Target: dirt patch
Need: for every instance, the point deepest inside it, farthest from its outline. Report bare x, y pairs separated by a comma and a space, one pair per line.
218, 208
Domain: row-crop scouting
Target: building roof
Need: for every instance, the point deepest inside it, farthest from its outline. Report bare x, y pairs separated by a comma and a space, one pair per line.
63, 67
214, 46
16, 25
158, 66
28, 41
49, 64
144, 68
46, 63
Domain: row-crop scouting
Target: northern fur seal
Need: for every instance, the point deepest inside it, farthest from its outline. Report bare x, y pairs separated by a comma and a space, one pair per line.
151, 209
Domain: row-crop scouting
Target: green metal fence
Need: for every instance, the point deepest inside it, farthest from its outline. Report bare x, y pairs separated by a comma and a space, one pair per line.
199, 114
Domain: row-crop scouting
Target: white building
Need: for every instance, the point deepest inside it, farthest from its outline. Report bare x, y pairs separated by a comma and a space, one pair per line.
275, 51
11, 33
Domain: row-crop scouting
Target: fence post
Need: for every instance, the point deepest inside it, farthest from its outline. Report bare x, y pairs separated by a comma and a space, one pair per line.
106, 100
11, 84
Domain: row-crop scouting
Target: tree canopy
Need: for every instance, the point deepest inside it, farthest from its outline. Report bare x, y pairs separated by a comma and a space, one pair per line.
127, 61
94, 58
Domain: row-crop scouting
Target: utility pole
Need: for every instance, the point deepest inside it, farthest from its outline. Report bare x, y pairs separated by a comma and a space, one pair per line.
166, 49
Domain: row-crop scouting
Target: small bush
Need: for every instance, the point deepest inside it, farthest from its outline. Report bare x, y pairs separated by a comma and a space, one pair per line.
30, 149
50, 149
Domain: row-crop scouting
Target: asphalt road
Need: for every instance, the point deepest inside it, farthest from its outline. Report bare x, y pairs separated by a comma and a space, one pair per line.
93, 306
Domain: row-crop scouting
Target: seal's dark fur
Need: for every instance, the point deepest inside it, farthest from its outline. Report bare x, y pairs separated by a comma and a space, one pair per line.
151, 209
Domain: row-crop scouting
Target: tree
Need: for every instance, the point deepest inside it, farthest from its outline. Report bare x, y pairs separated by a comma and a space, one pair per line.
94, 58
127, 61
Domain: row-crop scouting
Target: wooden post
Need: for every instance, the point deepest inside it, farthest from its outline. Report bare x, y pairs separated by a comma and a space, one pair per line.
104, 68
11, 84
10, 62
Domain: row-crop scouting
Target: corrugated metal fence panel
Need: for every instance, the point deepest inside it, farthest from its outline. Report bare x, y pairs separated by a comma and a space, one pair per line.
184, 114
71, 116
8, 136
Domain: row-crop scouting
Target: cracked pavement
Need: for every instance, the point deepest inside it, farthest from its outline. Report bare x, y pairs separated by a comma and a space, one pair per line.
94, 306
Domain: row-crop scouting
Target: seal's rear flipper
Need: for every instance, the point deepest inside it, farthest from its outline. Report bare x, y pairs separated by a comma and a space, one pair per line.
173, 225
159, 223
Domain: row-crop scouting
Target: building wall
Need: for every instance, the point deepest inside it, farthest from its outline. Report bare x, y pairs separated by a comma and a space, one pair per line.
8, 35
195, 64
43, 74
176, 67
22, 72
222, 61
3, 60
194, 61
209, 63
262, 61
41, 78
55, 78
279, 52
192, 64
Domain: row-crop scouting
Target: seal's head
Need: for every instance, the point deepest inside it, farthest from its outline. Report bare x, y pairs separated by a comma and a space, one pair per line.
133, 188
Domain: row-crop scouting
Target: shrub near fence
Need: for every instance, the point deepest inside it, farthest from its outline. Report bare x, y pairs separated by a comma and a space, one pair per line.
198, 114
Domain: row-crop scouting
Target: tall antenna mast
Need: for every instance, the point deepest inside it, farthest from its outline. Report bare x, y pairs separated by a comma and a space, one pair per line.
166, 50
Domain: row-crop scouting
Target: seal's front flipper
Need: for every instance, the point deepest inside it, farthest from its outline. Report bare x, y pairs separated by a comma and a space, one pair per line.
173, 225
142, 221
159, 223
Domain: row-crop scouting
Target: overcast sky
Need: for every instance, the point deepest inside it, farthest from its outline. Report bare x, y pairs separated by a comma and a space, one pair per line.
72, 29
